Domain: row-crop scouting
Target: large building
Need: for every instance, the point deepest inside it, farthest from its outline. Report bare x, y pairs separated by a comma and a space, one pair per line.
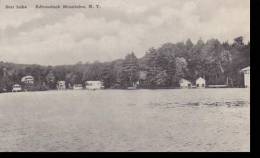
246, 72
27, 80
27, 83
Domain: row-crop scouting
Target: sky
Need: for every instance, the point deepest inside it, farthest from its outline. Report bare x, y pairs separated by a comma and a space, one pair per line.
119, 27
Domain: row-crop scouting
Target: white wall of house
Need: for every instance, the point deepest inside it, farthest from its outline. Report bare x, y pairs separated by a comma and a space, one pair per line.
185, 83
200, 83
77, 86
247, 80
246, 72
61, 85
91, 85
16, 88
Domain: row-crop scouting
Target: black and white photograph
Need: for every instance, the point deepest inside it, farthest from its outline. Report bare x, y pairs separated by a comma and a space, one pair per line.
124, 76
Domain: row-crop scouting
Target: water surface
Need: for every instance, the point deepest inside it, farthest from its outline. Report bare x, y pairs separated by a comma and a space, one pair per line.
126, 120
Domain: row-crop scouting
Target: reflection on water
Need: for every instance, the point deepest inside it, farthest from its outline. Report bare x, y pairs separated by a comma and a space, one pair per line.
202, 98
201, 104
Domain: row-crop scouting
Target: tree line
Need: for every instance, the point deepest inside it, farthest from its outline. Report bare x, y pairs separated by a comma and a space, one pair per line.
218, 63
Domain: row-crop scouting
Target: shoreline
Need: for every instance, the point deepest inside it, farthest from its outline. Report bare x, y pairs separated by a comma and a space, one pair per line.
67, 90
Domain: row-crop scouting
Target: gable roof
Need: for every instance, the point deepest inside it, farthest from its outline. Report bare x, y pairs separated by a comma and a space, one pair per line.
246, 68
200, 78
183, 79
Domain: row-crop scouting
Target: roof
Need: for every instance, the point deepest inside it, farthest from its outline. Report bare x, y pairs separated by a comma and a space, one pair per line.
26, 78
200, 78
184, 80
246, 68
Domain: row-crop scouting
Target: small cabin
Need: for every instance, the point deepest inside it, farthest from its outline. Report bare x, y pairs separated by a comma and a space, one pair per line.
27, 80
200, 83
77, 87
61, 85
246, 72
16, 88
184, 83
93, 85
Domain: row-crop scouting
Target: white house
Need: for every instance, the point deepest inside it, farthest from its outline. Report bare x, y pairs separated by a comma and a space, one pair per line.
93, 85
200, 82
184, 83
16, 88
61, 85
77, 87
27, 80
246, 72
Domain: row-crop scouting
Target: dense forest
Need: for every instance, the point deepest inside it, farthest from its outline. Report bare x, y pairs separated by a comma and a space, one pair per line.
218, 63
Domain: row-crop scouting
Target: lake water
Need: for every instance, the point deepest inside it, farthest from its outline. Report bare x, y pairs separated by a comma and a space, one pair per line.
126, 120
